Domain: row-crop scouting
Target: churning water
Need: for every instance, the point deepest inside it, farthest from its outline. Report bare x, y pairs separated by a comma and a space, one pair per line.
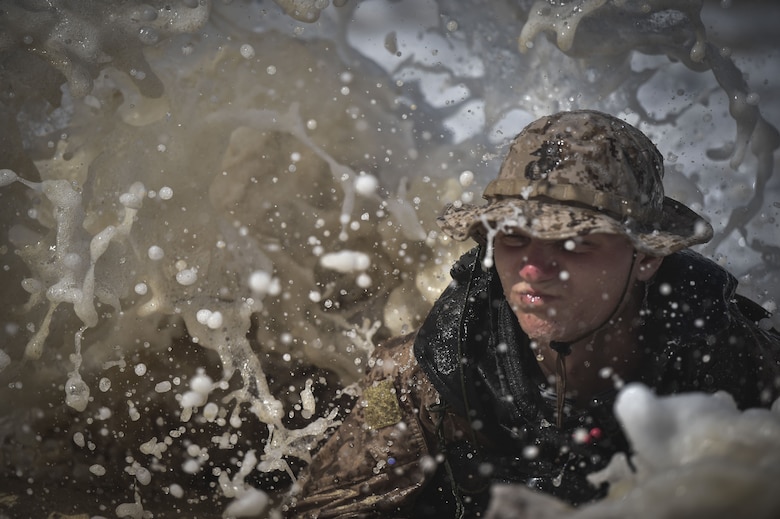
212, 211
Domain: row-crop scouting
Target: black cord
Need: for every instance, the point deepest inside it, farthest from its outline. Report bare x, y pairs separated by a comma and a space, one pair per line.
563, 349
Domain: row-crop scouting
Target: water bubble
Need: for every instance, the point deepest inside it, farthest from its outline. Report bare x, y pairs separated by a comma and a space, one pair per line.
203, 315
307, 400
76, 393
530, 452
363, 280
606, 372
143, 475
563, 275
141, 289
366, 185
215, 320
270, 70
78, 439
247, 51
466, 178
165, 193
192, 399
311, 124
176, 491
155, 253
132, 412
210, 411
140, 369
133, 199
428, 464
201, 383
580, 435
665, 289
7, 177
260, 282
187, 277
104, 384
190, 467
485, 469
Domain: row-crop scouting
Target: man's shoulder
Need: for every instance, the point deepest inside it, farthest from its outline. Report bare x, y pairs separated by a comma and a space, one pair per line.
691, 296
687, 268
393, 356
689, 282
725, 340
395, 360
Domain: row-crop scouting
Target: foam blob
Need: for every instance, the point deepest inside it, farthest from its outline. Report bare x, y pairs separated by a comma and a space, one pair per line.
346, 261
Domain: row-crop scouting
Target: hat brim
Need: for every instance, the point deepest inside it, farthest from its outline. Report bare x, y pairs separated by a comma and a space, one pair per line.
678, 227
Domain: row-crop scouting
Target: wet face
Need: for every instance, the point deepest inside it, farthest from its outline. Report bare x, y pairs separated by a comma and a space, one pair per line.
564, 288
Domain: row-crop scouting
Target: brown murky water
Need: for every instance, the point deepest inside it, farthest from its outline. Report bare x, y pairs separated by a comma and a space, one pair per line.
212, 212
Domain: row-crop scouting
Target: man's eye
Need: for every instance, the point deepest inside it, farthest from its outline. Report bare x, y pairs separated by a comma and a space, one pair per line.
575, 245
570, 245
514, 240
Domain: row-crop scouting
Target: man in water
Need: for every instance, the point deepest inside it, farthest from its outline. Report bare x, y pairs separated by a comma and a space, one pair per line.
580, 281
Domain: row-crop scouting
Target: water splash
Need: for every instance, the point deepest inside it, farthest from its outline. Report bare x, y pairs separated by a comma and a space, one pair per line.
178, 203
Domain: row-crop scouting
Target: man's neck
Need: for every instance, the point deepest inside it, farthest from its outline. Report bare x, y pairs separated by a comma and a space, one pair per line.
598, 362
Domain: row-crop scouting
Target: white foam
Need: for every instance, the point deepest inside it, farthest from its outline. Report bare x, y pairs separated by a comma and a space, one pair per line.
346, 261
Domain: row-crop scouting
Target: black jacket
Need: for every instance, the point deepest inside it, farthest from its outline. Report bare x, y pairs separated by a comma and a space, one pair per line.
697, 335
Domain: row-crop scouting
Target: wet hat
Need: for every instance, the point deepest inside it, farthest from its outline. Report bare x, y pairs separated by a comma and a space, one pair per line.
577, 173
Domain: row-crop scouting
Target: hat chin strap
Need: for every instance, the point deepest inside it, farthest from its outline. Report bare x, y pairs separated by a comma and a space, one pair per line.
563, 348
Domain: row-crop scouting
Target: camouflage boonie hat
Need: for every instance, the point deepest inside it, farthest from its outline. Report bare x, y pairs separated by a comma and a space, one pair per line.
577, 173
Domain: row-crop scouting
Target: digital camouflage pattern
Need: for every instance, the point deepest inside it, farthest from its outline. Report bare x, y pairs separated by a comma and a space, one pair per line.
371, 466
577, 173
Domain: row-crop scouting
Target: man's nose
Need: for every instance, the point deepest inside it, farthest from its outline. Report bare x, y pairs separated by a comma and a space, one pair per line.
538, 264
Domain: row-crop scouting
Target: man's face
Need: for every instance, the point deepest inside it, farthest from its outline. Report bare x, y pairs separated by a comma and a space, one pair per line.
562, 289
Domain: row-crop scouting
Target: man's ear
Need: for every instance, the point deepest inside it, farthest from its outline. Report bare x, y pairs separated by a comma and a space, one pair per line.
647, 266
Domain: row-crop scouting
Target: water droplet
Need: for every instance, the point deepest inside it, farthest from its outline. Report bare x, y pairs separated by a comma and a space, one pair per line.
247, 51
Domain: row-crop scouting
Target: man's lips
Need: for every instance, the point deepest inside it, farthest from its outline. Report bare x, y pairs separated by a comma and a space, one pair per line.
533, 299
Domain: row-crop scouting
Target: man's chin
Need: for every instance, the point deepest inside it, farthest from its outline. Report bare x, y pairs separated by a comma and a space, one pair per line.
541, 330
